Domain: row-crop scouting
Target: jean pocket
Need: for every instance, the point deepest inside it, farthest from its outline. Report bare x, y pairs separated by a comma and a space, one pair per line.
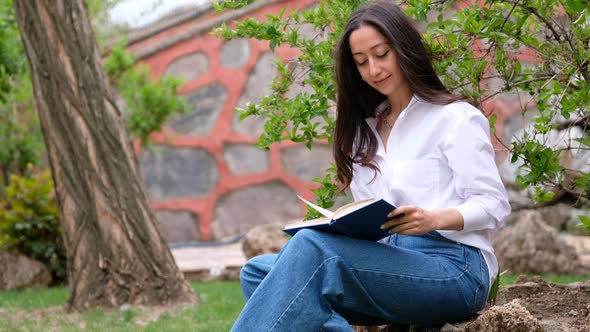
477, 281
480, 299
483, 290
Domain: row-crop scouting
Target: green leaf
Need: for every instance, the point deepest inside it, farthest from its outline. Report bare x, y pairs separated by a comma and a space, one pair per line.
576, 5
492, 119
585, 222
584, 141
272, 45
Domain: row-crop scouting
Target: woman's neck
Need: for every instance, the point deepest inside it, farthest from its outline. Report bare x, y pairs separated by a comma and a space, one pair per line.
399, 101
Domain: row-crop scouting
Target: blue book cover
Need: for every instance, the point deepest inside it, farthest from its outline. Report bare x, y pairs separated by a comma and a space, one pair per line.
361, 220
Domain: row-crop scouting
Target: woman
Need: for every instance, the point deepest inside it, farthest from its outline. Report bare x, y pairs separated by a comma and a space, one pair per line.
400, 135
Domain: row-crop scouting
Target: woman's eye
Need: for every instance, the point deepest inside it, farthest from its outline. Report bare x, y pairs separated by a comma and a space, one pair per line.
361, 63
382, 55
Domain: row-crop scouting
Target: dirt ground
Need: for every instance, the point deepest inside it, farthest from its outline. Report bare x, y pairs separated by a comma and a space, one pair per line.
529, 305
557, 307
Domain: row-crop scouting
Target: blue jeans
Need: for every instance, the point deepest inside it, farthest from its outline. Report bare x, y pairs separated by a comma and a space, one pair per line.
324, 282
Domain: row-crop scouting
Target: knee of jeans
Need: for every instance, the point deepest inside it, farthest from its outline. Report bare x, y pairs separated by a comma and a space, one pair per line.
249, 269
307, 235
307, 245
244, 272
249, 280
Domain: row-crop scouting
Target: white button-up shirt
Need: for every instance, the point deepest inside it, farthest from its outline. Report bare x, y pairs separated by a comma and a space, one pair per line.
440, 156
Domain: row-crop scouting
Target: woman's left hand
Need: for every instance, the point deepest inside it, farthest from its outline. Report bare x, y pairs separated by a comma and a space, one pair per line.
412, 220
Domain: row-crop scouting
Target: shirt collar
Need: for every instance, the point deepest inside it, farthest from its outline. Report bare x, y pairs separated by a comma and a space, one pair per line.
372, 121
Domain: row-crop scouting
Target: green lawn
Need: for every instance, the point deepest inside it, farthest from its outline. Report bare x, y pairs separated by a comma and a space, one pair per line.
509, 279
221, 302
37, 310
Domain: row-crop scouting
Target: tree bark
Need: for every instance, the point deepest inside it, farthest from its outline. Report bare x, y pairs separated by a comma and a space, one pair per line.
116, 254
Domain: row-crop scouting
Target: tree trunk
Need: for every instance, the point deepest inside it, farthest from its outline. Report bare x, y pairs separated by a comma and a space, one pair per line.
115, 252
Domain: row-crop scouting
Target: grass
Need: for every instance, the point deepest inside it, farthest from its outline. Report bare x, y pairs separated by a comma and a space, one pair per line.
509, 279
221, 302
37, 310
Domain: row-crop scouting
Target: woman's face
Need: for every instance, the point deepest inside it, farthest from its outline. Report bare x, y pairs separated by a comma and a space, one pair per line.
376, 61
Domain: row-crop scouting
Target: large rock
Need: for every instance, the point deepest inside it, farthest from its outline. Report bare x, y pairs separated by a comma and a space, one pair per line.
557, 216
20, 272
519, 199
532, 246
264, 239
582, 246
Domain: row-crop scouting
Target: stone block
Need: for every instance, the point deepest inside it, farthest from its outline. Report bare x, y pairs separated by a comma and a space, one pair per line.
178, 226
189, 66
245, 159
239, 211
206, 104
257, 87
178, 172
235, 53
306, 164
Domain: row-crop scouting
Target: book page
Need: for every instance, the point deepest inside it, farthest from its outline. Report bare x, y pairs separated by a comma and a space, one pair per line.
307, 223
351, 207
324, 212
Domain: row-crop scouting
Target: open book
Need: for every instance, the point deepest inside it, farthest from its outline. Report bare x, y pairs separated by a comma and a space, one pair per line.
360, 220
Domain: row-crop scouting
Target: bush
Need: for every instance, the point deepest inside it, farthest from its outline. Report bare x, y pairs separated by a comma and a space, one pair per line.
30, 222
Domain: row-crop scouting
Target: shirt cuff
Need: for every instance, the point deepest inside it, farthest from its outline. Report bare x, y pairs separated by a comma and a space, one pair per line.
474, 216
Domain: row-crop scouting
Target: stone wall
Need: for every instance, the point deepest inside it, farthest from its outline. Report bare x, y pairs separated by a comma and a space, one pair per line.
206, 177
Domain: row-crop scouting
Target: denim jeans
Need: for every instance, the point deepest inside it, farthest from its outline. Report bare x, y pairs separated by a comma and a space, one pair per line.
325, 282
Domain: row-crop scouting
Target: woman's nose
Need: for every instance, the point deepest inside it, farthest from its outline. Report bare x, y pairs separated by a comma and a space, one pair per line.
374, 69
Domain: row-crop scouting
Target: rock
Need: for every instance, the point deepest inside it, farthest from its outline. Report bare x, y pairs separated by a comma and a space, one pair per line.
512, 316
531, 246
20, 272
556, 216
573, 225
518, 199
582, 246
561, 216
264, 239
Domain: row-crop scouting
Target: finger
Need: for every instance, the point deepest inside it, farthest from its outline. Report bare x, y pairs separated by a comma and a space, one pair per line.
398, 220
406, 228
402, 210
410, 214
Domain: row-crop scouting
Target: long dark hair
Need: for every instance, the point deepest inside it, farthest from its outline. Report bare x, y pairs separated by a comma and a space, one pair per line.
356, 100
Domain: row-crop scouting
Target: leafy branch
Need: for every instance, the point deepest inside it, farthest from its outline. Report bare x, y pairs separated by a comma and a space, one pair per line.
478, 52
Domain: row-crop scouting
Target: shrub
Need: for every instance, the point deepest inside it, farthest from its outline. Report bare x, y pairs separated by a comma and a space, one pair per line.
30, 222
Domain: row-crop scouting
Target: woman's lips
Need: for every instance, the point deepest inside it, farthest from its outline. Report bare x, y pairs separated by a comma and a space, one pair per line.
381, 81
